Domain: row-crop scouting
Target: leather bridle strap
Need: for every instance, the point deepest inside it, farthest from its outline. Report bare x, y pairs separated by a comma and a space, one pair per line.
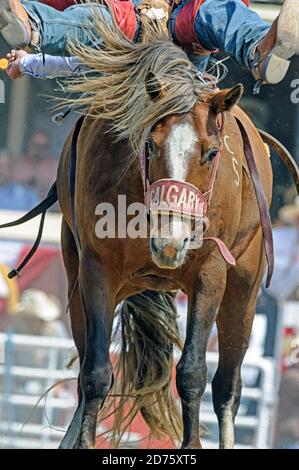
261, 200
209, 192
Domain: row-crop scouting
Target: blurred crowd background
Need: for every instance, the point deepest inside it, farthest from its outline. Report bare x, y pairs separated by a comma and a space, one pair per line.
35, 305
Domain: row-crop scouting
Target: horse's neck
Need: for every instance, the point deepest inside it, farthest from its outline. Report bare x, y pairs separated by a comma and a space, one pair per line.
111, 160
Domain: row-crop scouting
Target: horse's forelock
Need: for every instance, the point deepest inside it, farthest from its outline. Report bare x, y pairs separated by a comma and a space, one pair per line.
117, 92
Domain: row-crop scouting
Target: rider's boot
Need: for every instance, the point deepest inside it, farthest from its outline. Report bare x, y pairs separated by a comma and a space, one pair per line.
14, 23
270, 56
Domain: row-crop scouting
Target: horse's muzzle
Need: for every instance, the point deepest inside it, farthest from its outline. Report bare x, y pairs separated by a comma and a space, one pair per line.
169, 253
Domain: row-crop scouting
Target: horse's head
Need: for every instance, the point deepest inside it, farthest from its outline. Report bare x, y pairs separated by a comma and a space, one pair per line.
180, 151
139, 84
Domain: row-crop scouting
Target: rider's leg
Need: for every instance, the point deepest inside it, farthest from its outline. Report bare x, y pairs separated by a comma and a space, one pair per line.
49, 30
14, 23
229, 25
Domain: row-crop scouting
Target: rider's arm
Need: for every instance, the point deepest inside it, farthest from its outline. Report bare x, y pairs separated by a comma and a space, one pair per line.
48, 66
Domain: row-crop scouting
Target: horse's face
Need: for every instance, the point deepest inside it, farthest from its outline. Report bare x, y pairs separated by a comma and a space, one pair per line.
182, 148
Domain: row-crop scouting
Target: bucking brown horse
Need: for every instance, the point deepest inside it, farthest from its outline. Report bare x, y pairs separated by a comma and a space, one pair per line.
159, 133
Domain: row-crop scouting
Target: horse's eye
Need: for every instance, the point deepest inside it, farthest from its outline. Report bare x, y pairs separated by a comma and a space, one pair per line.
210, 155
152, 147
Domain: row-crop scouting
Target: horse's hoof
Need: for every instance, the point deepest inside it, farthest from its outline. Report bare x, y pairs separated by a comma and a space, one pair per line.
87, 432
192, 445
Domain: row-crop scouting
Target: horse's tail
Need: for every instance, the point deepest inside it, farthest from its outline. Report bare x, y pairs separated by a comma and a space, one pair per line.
149, 333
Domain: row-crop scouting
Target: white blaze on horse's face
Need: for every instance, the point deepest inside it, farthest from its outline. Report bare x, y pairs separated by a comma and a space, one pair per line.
179, 146
169, 243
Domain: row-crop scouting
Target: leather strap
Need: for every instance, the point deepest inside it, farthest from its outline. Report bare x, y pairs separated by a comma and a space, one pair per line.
49, 201
73, 169
40, 209
284, 154
223, 250
261, 200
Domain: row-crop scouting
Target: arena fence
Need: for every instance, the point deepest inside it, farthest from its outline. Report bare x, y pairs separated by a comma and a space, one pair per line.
31, 364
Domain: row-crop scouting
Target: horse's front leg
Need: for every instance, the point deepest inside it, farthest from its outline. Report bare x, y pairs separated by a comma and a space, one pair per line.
204, 302
96, 369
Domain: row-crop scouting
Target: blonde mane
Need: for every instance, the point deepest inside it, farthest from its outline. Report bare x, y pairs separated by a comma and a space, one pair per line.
116, 89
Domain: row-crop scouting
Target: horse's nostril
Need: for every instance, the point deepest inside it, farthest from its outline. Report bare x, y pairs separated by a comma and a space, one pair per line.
154, 245
186, 241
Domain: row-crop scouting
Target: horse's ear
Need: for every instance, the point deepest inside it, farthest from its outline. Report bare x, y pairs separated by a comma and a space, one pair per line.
154, 87
224, 100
